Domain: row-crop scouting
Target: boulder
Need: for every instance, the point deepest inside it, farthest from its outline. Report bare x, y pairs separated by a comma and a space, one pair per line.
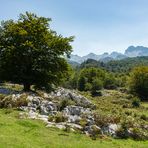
47, 107
63, 125
76, 110
74, 119
110, 129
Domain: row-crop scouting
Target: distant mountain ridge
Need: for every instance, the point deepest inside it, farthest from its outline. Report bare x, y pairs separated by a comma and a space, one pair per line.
131, 51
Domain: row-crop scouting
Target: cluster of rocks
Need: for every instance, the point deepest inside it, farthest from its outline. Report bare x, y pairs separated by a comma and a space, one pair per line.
62, 93
79, 116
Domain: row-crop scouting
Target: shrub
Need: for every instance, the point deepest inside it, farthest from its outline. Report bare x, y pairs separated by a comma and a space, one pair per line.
110, 82
83, 122
103, 120
123, 132
138, 134
139, 82
59, 117
136, 102
65, 102
88, 86
50, 118
144, 117
22, 101
128, 113
6, 102
97, 84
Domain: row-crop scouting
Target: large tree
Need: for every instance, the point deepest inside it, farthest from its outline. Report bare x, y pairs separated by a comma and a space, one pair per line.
31, 53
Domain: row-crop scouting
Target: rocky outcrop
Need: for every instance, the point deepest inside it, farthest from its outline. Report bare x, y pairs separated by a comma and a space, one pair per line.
76, 117
63, 93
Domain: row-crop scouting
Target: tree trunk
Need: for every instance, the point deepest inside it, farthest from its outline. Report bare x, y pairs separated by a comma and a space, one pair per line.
26, 87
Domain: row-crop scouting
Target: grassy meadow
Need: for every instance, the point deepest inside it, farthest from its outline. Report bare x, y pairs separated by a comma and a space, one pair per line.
25, 133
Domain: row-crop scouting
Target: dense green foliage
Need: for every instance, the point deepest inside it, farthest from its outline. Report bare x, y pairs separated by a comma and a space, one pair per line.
118, 66
31, 53
94, 79
139, 82
93, 75
91, 79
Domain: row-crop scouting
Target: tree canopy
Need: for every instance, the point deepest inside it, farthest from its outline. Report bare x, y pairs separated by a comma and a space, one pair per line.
31, 53
139, 82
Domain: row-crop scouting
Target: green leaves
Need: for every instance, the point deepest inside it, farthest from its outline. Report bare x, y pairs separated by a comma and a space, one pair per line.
31, 52
139, 81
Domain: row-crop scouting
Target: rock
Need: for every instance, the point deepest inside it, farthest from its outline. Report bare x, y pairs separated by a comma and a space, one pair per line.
50, 124
63, 93
75, 126
90, 120
92, 130
35, 102
63, 125
43, 118
60, 126
110, 129
32, 115
47, 107
76, 110
75, 114
74, 119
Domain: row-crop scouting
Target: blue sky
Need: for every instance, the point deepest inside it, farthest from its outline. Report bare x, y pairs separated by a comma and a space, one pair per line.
98, 25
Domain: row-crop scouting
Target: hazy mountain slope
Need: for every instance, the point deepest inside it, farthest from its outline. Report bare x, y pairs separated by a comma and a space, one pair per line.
131, 51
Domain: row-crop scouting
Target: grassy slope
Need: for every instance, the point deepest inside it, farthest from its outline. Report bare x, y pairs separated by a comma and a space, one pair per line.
23, 133
112, 103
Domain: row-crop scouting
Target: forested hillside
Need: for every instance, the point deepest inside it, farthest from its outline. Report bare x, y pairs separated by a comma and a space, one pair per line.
124, 65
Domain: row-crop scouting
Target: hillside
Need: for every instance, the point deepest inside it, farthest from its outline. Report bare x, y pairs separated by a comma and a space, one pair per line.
26, 133
124, 65
32, 126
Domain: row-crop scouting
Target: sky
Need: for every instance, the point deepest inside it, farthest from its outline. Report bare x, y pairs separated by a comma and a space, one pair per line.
98, 25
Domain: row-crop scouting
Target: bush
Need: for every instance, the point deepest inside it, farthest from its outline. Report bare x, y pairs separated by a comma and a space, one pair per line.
22, 101
97, 84
123, 132
83, 122
138, 134
103, 120
8, 102
139, 82
64, 103
144, 117
110, 82
50, 118
136, 102
59, 117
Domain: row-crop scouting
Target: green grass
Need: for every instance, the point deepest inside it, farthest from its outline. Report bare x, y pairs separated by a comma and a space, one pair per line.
25, 133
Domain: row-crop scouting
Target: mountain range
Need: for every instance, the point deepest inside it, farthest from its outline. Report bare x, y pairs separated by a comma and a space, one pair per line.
131, 51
